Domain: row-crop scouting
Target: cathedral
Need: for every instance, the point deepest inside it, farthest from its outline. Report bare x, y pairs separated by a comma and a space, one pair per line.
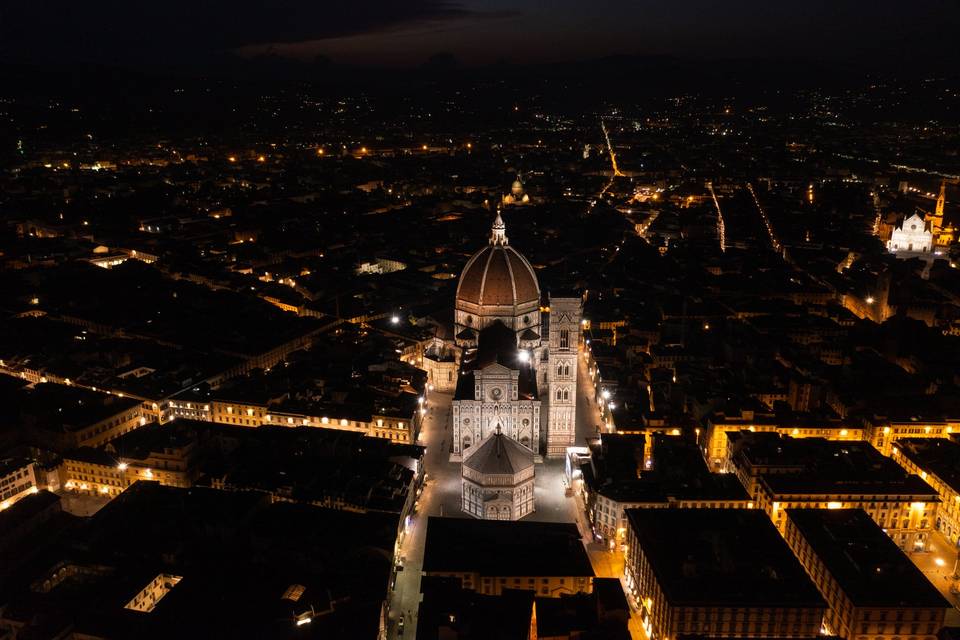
517, 377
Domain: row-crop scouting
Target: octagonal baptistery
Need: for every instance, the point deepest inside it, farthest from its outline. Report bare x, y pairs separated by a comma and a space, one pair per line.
497, 479
498, 284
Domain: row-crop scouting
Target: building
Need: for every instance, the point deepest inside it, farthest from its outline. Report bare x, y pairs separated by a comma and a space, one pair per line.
18, 478
720, 425
440, 361
887, 431
874, 592
913, 236
167, 454
943, 234
491, 556
92, 471
65, 416
518, 369
717, 573
255, 413
937, 462
782, 472
497, 479
22, 519
450, 612
517, 195
156, 559
905, 508
616, 477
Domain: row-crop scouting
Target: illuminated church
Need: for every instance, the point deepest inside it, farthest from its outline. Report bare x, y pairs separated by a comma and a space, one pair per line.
517, 195
913, 236
919, 234
515, 397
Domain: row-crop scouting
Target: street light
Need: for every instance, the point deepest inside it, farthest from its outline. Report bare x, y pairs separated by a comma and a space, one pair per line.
606, 394
395, 319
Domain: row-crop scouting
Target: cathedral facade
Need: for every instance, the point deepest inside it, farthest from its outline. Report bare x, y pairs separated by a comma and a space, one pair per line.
518, 365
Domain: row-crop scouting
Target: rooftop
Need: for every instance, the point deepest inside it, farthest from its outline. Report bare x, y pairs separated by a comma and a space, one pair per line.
721, 557
868, 566
938, 456
499, 455
500, 548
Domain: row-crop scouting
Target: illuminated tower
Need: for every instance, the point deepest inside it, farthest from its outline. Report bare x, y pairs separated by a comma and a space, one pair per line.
564, 324
942, 235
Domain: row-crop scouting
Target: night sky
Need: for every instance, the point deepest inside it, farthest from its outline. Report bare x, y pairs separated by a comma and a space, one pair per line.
872, 33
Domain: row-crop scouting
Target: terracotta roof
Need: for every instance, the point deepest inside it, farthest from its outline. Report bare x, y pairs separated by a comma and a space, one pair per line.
499, 455
498, 275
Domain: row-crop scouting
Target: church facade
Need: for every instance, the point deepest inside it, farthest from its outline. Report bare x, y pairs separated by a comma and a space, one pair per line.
913, 236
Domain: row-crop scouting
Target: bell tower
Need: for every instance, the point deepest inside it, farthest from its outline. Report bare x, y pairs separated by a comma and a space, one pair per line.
561, 397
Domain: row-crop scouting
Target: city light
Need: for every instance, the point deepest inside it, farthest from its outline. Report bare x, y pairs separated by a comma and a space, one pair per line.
395, 319
524, 355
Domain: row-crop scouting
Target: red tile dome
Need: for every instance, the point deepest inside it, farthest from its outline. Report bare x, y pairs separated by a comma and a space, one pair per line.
498, 276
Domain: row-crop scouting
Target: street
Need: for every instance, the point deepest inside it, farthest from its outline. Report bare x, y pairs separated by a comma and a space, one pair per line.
937, 564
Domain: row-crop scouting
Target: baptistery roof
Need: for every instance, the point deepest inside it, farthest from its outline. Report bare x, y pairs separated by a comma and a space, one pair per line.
498, 275
499, 455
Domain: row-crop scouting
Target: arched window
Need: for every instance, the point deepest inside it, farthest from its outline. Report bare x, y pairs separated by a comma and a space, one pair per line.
559, 369
564, 338
559, 394
566, 394
566, 370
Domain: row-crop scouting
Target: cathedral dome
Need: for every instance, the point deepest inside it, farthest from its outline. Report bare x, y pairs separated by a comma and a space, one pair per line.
498, 276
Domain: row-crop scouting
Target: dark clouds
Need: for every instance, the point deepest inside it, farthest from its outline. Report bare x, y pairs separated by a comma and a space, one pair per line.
132, 31
911, 35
